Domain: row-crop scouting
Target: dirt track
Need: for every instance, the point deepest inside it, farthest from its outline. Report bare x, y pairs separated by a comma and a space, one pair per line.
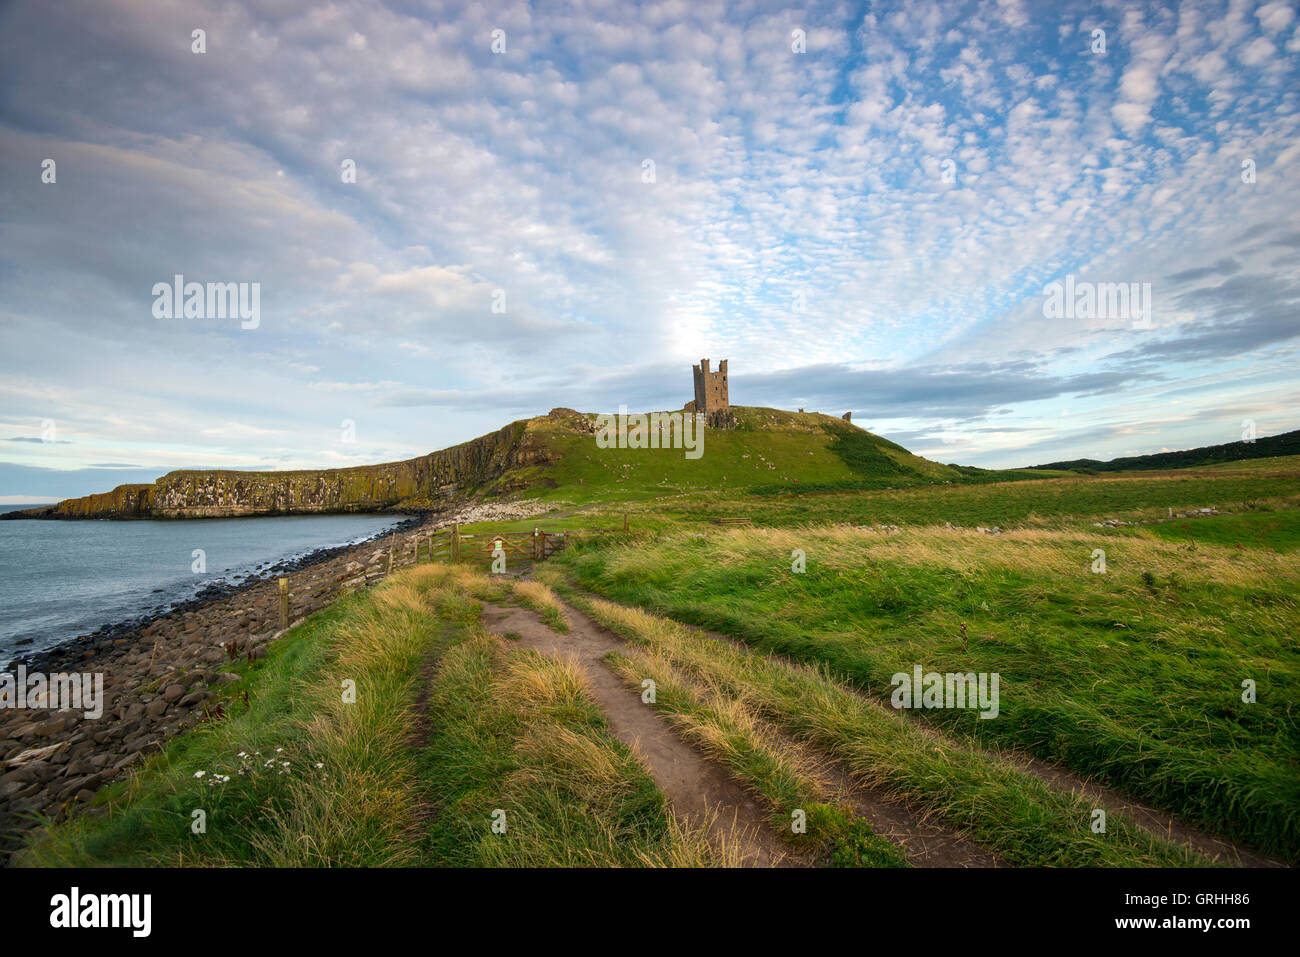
698, 788
699, 791
694, 782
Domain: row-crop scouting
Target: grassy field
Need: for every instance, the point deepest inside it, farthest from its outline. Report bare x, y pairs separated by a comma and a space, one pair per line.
1277, 531
453, 729
1029, 501
449, 726
729, 729
1133, 675
1014, 813
1127, 653
515, 734
767, 446
261, 773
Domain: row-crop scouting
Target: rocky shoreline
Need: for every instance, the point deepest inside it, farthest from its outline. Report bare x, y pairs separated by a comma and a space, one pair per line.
161, 674
71, 653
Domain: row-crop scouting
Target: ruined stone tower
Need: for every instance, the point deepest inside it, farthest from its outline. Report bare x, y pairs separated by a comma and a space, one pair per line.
711, 396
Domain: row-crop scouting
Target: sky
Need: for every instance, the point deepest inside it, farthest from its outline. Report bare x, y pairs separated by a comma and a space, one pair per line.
861, 206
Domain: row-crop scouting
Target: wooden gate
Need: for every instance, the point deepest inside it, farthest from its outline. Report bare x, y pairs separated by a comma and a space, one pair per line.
450, 545
535, 547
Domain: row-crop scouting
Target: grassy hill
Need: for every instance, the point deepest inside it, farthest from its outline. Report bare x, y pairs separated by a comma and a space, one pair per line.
768, 448
555, 457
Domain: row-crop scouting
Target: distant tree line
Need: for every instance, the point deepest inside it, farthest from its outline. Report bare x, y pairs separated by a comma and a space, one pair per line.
1288, 443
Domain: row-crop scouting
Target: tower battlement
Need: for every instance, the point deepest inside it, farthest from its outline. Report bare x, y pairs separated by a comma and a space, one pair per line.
711, 396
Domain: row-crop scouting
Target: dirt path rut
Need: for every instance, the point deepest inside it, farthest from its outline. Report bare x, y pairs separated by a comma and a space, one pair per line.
1220, 850
699, 789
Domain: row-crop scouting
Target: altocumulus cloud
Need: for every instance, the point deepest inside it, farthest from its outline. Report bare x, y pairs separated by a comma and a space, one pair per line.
865, 225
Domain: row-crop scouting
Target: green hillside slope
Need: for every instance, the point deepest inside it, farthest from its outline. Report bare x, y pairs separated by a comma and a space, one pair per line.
768, 448
554, 457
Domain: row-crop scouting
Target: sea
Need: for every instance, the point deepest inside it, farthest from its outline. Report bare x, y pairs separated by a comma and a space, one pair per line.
63, 579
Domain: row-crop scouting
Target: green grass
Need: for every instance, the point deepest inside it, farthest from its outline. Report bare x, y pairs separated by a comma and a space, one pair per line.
1035, 503
768, 445
314, 780
146, 819
1275, 531
1021, 499
1025, 820
785, 468
727, 730
1133, 676
517, 740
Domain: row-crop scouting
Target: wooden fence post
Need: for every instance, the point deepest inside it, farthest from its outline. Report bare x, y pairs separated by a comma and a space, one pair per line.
455, 544
627, 526
284, 603
390, 554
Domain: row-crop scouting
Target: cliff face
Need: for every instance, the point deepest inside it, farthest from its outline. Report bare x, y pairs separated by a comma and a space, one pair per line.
222, 494
471, 464
424, 482
125, 501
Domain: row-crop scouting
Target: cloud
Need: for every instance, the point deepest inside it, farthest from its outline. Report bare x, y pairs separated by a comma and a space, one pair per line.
1223, 267
886, 207
965, 392
1238, 316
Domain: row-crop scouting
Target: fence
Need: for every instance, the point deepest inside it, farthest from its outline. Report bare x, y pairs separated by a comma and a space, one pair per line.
451, 545
448, 545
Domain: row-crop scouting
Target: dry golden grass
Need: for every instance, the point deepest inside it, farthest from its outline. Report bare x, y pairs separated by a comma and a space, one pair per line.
522, 731
537, 596
1060, 551
727, 729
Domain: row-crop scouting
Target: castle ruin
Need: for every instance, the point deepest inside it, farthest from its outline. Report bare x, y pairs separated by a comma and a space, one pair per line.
711, 396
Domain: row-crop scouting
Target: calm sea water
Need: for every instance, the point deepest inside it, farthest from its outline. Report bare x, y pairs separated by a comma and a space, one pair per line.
59, 580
